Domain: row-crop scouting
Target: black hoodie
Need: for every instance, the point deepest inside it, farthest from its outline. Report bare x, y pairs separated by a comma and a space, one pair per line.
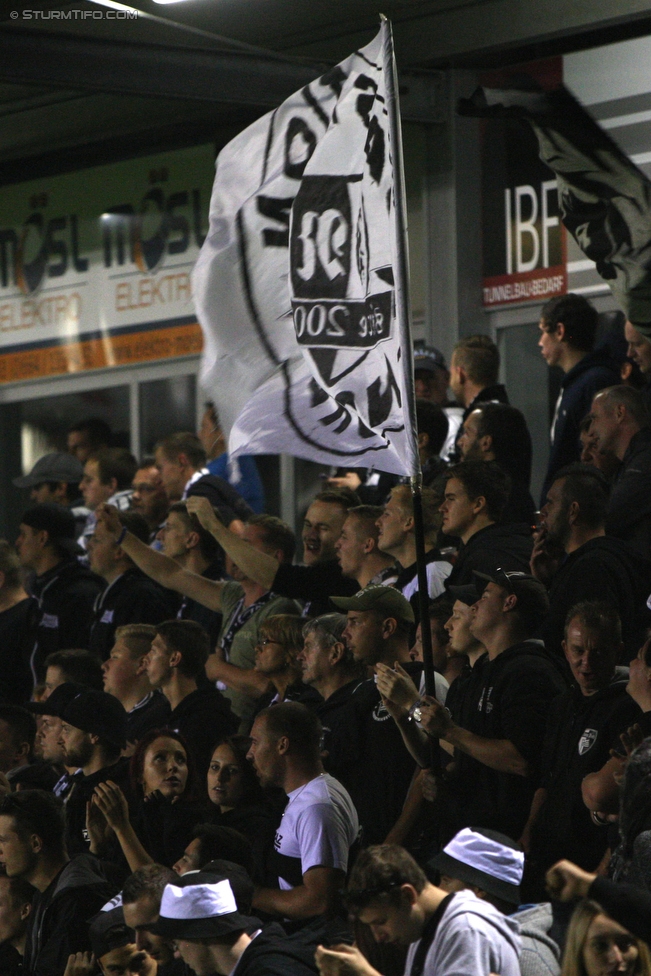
518, 687
581, 731
272, 953
66, 595
58, 924
505, 546
604, 569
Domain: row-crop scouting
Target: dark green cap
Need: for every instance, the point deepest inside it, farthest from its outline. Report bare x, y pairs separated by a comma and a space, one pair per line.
383, 599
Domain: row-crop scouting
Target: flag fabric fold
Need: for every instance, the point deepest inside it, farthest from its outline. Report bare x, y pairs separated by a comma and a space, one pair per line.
605, 199
295, 284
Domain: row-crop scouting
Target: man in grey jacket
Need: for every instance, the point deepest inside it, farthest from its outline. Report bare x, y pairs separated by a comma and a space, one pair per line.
446, 932
490, 865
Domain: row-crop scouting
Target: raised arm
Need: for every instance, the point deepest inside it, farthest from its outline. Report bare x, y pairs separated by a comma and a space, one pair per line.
258, 566
160, 568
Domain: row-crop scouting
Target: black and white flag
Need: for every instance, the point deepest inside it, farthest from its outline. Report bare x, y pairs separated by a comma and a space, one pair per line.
295, 286
605, 199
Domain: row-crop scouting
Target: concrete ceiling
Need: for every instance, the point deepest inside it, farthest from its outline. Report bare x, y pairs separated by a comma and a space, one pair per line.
75, 89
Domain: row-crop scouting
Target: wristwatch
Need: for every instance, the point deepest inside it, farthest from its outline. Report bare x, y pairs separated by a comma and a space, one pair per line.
415, 712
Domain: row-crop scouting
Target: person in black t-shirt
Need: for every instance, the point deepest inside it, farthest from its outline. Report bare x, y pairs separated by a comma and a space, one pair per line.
65, 590
16, 898
319, 578
330, 668
177, 657
129, 596
18, 618
476, 493
519, 681
377, 768
187, 543
125, 678
583, 725
577, 561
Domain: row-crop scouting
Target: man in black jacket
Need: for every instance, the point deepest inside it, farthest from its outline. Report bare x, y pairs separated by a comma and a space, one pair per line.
70, 891
583, 725
519, 681
474, 369
577, 561
129, 596
93, 734
177, 657
476, 494
620, 425
65, 590
568, 328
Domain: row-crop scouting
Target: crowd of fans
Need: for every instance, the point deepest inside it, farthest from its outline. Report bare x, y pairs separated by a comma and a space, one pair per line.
218, 758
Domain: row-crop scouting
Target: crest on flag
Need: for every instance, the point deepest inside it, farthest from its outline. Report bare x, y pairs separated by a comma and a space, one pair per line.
295, 285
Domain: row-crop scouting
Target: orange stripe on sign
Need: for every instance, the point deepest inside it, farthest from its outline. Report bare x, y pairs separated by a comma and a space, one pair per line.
117, 350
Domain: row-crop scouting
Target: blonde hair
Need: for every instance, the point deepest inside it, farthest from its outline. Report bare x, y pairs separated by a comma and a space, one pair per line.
577, 933
430, 501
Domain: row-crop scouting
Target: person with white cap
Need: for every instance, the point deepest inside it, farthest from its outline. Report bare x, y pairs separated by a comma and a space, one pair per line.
448, 934
200, 913
491, 866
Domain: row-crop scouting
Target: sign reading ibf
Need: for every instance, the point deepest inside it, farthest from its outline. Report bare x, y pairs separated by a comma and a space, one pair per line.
524, 244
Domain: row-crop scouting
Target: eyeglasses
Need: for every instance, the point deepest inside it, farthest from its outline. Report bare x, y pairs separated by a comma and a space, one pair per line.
267, 640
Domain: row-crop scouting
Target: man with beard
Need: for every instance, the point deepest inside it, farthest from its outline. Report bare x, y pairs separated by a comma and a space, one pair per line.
498, 432
577, 561
92, 736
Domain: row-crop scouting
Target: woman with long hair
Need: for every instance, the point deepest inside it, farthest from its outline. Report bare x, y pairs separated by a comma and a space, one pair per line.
164, 802
596, 945
238, 801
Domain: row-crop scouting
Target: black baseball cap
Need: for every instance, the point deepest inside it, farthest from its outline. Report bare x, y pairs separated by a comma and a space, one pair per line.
108, 931
467, 593
57, 700
531, 594
58, 522
58, 466
428, 358
98, 713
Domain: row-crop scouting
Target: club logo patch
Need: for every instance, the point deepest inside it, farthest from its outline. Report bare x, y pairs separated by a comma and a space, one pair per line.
587, 740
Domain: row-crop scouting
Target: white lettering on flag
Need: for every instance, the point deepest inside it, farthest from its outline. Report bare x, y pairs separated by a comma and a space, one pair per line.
295, 284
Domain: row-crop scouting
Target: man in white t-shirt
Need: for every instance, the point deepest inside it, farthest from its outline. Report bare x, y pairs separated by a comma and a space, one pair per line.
319, 825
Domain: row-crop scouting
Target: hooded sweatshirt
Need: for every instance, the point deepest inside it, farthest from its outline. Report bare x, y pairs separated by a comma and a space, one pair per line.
605, 569
541, 955
471, 938
58, 924
497, 545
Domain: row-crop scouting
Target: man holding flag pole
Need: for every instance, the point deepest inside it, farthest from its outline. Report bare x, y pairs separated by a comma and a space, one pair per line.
302, 284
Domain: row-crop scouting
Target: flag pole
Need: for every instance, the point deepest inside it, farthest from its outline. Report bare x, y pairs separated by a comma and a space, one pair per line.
403, 318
